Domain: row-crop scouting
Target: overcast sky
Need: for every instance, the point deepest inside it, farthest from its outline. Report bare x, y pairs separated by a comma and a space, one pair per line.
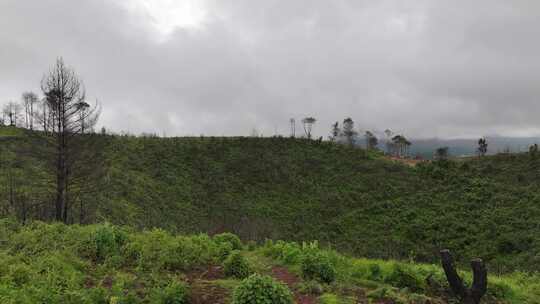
189, 67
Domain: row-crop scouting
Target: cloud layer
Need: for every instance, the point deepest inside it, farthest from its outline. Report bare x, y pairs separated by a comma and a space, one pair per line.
426, 68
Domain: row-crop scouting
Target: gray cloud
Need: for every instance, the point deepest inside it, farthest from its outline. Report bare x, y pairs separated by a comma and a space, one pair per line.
425, 68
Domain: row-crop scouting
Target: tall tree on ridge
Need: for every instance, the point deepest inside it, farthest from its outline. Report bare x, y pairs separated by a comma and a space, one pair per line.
71, 115
482, 146
308, 123
389, 143
348, 131
12, 111
371, 140
441, 154
29, 100
334, 135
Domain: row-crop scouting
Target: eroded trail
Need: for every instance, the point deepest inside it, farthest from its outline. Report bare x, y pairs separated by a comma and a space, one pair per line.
203, 290
283, 275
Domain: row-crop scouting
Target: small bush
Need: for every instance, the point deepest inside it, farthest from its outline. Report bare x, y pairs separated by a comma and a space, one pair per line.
310, 287
108, 240
291, 253
317, 266
288, 253
159, 250
500, 290
228, 237
20, 274
259, 289
252, 245
174, 293
374, 272
236, 266
405, 278
224, 249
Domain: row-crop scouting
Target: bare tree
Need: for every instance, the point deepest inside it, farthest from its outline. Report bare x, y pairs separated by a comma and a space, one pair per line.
334, 135
69, 116
30, 99
12, 111
292, 121
3, 118
308, 123
348, 131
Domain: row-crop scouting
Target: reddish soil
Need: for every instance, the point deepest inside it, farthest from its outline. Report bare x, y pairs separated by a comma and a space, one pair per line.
202, 289
206, 293
211, 273
89, 283
283, 275
107, 282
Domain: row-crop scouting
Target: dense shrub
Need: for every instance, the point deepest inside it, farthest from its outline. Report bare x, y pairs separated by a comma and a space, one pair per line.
259, 289
405, 277
19, 274
317, 266
374, 272
230, 238
236, 266
287, 252
108, 240
55, 263
223, 251
159, 250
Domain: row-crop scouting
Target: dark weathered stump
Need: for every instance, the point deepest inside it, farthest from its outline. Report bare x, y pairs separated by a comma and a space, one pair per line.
479, 286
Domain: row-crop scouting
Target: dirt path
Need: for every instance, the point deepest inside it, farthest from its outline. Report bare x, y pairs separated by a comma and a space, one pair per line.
206, 293
283, 275
203, 291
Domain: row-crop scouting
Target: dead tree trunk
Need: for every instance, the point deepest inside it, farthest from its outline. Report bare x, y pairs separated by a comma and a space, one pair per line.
479, 286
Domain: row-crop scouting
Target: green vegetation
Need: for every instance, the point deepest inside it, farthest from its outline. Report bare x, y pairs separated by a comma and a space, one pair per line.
355, 201
56, 263
259, 289
298, 190
236, 266
317, 266
227, 237
10, 132
395, 280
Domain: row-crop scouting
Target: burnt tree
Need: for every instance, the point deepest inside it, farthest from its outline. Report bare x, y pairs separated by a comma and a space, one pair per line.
68, 118
479, 286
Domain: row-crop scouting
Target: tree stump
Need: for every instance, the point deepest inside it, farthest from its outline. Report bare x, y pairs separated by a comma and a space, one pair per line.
479, 286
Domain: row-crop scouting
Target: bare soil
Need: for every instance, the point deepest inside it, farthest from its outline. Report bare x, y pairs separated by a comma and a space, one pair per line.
283, 275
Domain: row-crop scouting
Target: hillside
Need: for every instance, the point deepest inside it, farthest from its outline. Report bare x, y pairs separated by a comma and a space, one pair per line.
44, 263
301, 190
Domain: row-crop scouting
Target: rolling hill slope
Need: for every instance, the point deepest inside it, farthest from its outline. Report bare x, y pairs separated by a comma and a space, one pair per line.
301, 190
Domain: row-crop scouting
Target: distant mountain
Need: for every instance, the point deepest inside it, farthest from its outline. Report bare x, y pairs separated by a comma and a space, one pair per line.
467, 147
